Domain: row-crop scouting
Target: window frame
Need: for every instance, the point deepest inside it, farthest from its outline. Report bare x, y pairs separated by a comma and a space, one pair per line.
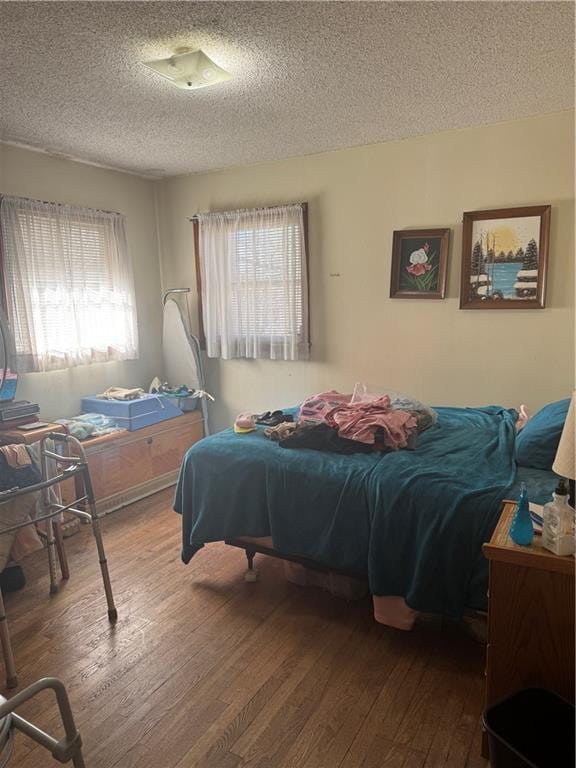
80, 215
195, 223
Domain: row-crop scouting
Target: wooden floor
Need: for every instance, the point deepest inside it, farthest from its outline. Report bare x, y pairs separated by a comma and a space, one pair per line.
203, 669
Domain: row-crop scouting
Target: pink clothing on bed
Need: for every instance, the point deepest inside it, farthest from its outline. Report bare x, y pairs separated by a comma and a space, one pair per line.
360, 422
315, 408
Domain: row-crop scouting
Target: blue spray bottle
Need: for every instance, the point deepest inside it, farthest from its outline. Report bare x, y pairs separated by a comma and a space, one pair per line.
521, 529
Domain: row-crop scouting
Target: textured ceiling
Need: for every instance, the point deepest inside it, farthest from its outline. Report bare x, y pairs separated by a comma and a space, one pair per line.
309, 76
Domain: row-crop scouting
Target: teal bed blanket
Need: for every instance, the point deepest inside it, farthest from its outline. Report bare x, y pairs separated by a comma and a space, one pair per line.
413, 521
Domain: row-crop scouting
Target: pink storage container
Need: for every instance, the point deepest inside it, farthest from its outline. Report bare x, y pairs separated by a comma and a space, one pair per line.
337, 584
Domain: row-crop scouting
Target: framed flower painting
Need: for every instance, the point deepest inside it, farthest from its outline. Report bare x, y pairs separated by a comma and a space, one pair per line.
504, 258
419, 259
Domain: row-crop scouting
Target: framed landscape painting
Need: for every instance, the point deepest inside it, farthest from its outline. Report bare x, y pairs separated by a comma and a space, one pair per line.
419, 258
504, 258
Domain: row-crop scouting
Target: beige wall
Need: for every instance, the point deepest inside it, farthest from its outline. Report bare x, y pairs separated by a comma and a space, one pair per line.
357, 198
33, 174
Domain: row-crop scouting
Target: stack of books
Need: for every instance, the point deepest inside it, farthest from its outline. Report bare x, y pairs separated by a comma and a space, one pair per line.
17, 412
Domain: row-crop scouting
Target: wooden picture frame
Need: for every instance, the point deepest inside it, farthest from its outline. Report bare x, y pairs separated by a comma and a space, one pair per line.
419, 263
505, 258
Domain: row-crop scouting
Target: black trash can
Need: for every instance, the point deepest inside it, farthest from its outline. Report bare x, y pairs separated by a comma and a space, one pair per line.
531, 729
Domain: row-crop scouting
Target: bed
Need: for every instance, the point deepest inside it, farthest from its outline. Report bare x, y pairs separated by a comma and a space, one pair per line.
411, 522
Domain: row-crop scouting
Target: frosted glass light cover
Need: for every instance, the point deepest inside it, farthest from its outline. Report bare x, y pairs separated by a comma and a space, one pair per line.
190, 70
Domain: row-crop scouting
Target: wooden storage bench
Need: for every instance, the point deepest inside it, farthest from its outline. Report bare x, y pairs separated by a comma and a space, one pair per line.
127, 466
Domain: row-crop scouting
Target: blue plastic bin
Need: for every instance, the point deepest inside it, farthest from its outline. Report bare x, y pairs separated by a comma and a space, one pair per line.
133, 414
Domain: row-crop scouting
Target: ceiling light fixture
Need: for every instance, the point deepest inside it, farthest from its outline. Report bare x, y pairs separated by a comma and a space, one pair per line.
189, 70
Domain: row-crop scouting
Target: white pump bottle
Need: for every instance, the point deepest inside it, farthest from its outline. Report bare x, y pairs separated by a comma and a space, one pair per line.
558, 523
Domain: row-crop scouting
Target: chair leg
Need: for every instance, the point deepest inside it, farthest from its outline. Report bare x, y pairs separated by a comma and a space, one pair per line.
9, 665
51, 547
61, 551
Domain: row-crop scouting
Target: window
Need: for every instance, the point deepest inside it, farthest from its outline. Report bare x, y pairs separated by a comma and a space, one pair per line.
253, 282
67, 283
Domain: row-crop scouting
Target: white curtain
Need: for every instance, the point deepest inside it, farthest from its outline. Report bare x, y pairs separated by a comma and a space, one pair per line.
68, 284
254, 283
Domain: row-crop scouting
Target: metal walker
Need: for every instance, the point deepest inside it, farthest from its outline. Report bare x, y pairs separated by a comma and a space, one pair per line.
64, 750
69, 462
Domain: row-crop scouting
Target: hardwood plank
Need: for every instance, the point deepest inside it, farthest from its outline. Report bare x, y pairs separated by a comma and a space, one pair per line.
306, 648
456, 720
203, 669
271, 737
334, 724
406, 659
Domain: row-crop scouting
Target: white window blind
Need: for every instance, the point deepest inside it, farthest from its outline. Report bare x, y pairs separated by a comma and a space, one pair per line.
68, 284
253, 267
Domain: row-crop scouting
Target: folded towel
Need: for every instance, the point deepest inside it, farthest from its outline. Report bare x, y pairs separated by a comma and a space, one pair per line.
121, 393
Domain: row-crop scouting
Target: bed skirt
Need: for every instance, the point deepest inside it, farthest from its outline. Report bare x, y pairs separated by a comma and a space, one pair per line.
390, 610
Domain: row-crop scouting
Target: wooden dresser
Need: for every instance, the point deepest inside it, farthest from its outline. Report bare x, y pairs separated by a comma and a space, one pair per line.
126, 466
530, 616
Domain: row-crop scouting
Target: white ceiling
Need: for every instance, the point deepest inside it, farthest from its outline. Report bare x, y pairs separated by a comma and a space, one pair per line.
309, 76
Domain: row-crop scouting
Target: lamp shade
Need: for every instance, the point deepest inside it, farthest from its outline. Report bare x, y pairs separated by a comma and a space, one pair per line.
189, 70
565, 461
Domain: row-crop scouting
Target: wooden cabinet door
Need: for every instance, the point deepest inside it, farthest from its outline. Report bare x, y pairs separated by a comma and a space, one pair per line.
166, 449
531, 631
115, 468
